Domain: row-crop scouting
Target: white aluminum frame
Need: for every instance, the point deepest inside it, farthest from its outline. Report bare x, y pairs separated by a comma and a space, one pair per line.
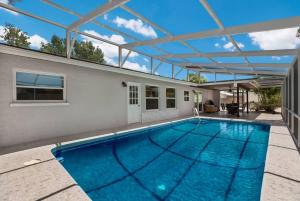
202, 67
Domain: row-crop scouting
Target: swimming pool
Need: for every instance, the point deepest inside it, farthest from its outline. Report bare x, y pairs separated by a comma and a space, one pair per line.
187, 160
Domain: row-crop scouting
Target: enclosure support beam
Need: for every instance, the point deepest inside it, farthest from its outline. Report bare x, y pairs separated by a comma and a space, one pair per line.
298, 94
238, 101
262, 26
244, 65
151, 64
120, 56
158, 65
68, 45
12, 8
221, 26
173, 68
282, 52
241, 72
128, 54
242, 100
247, 96
105, 26
139, 16
179, 72
99, 11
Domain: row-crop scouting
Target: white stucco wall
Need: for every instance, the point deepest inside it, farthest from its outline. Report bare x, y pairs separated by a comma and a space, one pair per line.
97, 100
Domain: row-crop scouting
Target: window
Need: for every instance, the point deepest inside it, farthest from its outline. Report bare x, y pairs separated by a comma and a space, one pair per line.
151, 97
133, 95
170, 98
186, 96
39, 87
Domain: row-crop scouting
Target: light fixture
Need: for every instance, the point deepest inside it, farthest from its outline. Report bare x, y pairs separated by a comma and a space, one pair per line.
124, 84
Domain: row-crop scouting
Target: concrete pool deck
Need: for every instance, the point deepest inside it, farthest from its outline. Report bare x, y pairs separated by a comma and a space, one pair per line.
34, 174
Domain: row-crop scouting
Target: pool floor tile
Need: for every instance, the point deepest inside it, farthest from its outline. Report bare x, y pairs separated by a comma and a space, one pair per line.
127, 189
246, 185
93, 166
134, 154
254, 156
166, 137
190, 145
222, 152
163, 174
203, 182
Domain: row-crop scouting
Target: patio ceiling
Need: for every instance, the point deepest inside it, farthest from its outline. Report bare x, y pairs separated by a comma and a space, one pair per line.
261, 82
183, 59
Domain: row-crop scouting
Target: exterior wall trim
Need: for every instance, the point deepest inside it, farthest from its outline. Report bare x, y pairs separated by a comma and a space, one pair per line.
43, 56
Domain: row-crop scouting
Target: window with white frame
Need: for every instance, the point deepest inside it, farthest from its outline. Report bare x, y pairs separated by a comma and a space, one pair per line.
151, 97
39, 87
186, 96
170, 97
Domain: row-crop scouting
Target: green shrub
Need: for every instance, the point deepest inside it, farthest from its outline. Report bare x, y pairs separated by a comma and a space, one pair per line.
269, 98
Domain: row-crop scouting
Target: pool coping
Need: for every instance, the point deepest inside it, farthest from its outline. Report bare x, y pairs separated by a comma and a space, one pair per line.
21, 170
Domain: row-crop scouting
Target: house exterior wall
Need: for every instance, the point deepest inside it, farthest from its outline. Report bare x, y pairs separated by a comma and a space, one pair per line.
97, 100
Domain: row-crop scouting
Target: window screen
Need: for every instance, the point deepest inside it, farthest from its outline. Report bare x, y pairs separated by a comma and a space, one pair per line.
35, 87
151, 97
170, 98
186, 96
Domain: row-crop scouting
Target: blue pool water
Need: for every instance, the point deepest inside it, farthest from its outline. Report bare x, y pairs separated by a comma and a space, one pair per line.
184, 161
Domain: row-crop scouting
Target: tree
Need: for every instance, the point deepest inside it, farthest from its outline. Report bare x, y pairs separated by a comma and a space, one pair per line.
82, 50
56, 46
86, 51
15, 36
269, 98
197, 79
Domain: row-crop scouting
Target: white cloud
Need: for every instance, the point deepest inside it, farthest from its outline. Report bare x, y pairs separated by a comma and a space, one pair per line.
228, 46
6, 2
231, 47
135, 66
36, 40
145, 59
241, 45
136, 25
276, 39
111, 52
114, 38
105, 16
276, 58
217, 45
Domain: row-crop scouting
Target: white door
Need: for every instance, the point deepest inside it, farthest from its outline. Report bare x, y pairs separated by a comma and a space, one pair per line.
134, 102
198, 101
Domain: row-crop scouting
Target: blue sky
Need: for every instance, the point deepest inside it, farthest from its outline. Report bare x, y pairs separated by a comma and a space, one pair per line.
177, 18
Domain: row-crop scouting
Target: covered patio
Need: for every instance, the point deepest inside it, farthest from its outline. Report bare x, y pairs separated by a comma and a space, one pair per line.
236, 102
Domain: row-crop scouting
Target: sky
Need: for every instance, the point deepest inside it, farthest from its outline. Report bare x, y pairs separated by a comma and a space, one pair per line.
184, 16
